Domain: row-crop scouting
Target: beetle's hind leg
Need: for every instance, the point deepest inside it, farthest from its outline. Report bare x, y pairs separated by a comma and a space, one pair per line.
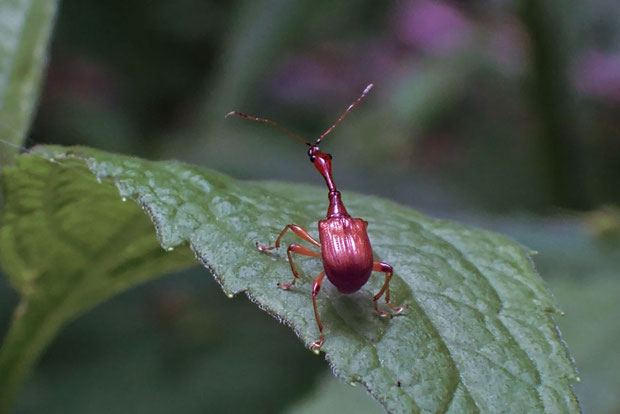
387, 269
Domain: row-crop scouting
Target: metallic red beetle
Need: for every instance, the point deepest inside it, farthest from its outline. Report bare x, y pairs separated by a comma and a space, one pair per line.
345, 247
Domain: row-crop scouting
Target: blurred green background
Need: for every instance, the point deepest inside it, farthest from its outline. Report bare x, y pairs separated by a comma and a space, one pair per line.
504, 114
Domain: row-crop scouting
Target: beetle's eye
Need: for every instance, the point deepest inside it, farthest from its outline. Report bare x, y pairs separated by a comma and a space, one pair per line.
330, 156
312, 158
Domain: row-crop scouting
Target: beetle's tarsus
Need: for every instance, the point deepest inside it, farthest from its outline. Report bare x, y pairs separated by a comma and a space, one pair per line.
262, 247
316, 346
379, 311
397, 309
285, 286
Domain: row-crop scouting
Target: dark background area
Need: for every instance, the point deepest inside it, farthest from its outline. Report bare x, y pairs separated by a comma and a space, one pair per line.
505, 114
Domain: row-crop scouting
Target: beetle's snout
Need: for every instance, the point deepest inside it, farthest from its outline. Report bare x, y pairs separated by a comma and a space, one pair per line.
323, 163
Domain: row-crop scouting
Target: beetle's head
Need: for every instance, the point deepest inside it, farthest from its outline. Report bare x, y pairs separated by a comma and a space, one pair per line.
323, 163
321, 160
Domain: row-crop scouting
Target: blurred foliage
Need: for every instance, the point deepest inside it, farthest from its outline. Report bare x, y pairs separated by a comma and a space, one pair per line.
176, 345
67, 243
494, 105
333, 396
582, 271
458, 124
25, 29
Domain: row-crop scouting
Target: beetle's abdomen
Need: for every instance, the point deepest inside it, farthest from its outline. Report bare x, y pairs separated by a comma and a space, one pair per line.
346, 250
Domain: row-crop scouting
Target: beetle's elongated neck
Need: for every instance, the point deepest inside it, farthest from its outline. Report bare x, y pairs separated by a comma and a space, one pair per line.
329, 180
336, 207
323, 163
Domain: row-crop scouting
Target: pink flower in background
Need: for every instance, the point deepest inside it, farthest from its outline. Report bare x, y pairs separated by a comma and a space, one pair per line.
73, 77
304, 77
598, 74
334, 72
434, 26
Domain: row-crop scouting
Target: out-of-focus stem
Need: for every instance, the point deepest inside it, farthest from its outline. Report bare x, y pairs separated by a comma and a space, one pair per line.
31, 330
561, 149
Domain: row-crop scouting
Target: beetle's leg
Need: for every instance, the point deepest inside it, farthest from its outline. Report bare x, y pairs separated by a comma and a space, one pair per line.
297, 230
316, 346
299, 249
387, 269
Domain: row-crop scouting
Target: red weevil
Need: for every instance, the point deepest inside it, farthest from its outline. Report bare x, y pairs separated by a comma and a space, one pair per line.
345, 247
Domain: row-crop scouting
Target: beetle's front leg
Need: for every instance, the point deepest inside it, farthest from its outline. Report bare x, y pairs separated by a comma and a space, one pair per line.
387, 269
300, 232
296, 248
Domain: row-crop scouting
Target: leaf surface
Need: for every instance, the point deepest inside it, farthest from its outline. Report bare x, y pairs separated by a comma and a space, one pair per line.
25, 26
478, 334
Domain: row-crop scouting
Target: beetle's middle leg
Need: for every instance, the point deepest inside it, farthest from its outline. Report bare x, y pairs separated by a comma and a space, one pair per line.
299, 249
316, 346
387, 269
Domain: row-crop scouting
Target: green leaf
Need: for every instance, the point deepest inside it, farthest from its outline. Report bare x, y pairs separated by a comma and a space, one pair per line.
478, 334
67, 243
580, 260
25, 26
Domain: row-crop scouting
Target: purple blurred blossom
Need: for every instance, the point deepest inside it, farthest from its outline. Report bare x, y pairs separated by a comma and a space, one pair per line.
83, 80
304, 77
598, 75
434, 26
333, 73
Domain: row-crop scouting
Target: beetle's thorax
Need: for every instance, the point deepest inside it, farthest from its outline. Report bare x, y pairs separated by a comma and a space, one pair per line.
336, 207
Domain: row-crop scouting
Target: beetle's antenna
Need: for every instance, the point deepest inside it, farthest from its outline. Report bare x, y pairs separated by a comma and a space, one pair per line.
353, 105
270, 122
